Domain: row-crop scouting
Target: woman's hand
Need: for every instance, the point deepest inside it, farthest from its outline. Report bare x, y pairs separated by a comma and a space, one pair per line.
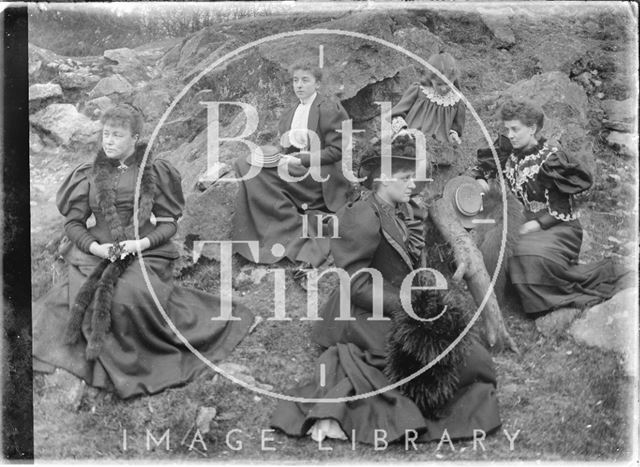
131, 246
454, 138
483, 184
288, 159
100, 250
530, 227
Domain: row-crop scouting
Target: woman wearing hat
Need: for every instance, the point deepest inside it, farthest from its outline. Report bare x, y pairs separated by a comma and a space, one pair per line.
384, 232
544, 266
269, 209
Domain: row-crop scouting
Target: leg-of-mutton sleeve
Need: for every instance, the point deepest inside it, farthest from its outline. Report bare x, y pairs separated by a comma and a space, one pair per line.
359, 239
561, 178
486, 167
72, 201
168, 204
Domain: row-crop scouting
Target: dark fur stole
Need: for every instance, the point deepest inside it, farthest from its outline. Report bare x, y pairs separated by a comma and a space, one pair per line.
99, 287
414, 344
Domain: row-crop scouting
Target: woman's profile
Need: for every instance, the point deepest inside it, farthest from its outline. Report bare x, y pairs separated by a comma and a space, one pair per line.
384, 232
544, 267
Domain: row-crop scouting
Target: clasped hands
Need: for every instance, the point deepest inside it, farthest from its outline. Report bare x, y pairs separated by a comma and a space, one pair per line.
125, 248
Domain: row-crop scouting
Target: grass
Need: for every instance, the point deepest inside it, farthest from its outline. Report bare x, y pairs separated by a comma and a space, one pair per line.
569, 401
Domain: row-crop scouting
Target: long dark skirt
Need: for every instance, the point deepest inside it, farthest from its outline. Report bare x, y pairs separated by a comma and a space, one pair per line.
270, 210
545, 272
141, 354
354, 362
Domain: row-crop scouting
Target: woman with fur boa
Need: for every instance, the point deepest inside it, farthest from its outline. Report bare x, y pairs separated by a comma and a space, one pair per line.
365, 353
102, 323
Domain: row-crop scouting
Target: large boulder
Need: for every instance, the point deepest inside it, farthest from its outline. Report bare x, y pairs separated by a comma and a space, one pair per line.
97, 106
126, 62
625, 143
40, 59
620, 115
560, 51
352, 63
79, 79
66, 125
498, 20
153, 103
565, 107
115, 84
121, 56
44, 91
610, 325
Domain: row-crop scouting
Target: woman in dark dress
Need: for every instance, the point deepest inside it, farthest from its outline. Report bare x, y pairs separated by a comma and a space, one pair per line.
269, 209
544, 266
382, 232
102, 324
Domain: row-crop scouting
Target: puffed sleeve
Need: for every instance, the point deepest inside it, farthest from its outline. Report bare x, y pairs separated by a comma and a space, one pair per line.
168, 204
72, 201
486, 167
561, 178
359, 237
563, 174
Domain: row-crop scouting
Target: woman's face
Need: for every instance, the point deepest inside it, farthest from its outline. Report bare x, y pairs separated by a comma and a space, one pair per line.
304, 84
117, 141
520, 135
398, 189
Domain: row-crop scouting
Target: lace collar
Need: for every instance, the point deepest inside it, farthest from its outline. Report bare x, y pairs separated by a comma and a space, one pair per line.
449, 99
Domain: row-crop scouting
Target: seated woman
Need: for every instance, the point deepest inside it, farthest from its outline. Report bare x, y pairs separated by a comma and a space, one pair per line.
102, 323
383, 232
544, 266
269, 209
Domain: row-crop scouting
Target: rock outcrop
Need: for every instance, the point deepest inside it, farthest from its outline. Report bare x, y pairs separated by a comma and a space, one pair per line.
565, 106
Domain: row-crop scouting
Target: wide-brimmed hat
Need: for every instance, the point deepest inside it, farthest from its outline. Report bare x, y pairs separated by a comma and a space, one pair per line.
403, 148
465, 195
268, 156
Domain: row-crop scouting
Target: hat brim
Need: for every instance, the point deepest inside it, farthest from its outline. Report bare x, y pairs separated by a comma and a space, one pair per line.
270, 157
449, 194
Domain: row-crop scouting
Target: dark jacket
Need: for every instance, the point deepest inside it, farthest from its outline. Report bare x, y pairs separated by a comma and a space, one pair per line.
543, 178
325, 117
369, 237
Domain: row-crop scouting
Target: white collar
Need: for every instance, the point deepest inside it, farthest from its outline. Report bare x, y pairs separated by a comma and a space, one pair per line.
309, 100
449, 99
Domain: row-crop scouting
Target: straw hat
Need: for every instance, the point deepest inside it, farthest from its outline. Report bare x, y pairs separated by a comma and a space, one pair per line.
465, 195
268, 156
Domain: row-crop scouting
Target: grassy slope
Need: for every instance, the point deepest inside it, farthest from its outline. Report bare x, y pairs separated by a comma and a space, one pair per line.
569, 401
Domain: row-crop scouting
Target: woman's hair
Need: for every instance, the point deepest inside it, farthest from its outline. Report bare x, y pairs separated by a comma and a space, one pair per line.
445, 64
403, 157
526, 111
315, 70
125, 116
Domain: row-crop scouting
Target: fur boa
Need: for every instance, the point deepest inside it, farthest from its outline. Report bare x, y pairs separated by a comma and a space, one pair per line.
413, 344
99, 287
